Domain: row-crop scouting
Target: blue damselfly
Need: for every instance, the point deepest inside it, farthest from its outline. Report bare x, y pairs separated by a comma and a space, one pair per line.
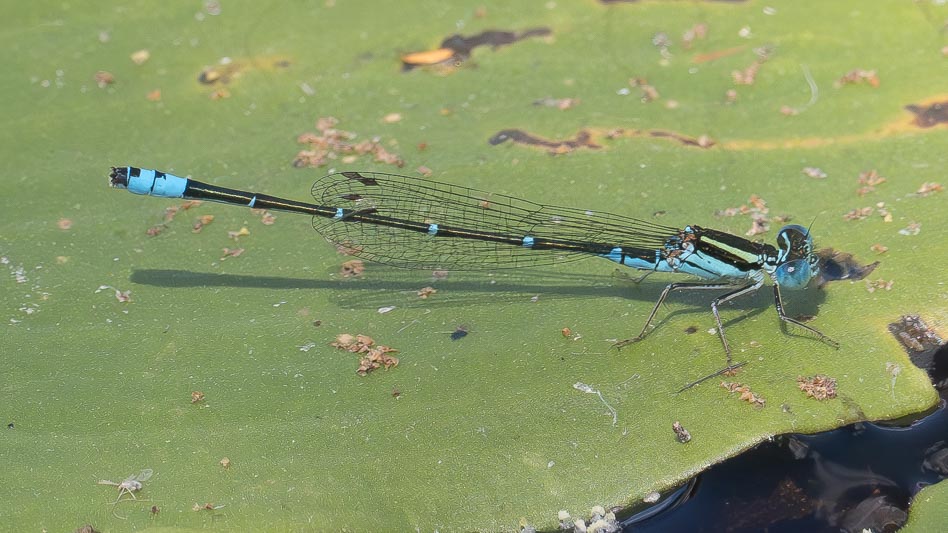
417, 223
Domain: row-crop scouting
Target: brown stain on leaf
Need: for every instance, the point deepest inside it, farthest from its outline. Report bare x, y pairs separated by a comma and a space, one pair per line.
227, 71
931, 115
457, 48
697, 59
583, 139
927, 114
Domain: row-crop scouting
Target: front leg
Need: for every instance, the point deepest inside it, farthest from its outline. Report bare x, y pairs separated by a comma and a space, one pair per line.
778, 303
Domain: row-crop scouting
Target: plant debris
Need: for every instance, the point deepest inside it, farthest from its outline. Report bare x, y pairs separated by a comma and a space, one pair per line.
856, 76
758, 210
927, 188
201, 221
814, 172
879, 284
231, 252
206, 507
374, 356
819, 386
559, 103
331, 144
425, 292
746, 394
913, 228
869, 180
351, 269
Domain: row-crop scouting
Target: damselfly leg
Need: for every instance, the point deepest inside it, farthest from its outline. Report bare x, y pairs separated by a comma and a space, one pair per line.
778, 303
691, 286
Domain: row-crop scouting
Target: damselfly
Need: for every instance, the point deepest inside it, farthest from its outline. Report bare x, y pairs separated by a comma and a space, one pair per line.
417, 223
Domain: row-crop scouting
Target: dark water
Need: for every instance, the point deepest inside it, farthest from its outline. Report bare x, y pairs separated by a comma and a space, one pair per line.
857, 477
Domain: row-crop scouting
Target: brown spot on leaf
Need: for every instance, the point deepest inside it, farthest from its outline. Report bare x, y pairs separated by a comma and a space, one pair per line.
227, 70
927, 116
583, 140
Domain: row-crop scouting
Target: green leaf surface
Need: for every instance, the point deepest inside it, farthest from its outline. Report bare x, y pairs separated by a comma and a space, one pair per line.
469, 434
929, 510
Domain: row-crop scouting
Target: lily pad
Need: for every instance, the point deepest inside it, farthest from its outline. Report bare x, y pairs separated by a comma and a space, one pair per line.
121, 312
928, 509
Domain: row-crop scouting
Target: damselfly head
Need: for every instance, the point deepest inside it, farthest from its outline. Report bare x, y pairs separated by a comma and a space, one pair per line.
796, 262
118, 178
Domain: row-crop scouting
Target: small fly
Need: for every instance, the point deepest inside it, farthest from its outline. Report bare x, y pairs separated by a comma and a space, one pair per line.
130, 486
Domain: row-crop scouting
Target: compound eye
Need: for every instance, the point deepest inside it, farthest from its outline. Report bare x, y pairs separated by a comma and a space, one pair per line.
794, 242
794, 274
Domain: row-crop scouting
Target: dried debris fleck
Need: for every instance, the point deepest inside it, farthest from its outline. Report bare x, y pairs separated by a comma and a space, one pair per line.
868, 181
746, 394
236, 235
692, 34
757, 208
352, 268
861, 213
819, 387
857, 76
373, 356
814, 172
103, 78
330, 144
206, 507
928, 188
912, 229
197, 396
648, 92
425, 292
232, 252
879, 284
559, 103
201, 221
748, 75
140, 57
120, 295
